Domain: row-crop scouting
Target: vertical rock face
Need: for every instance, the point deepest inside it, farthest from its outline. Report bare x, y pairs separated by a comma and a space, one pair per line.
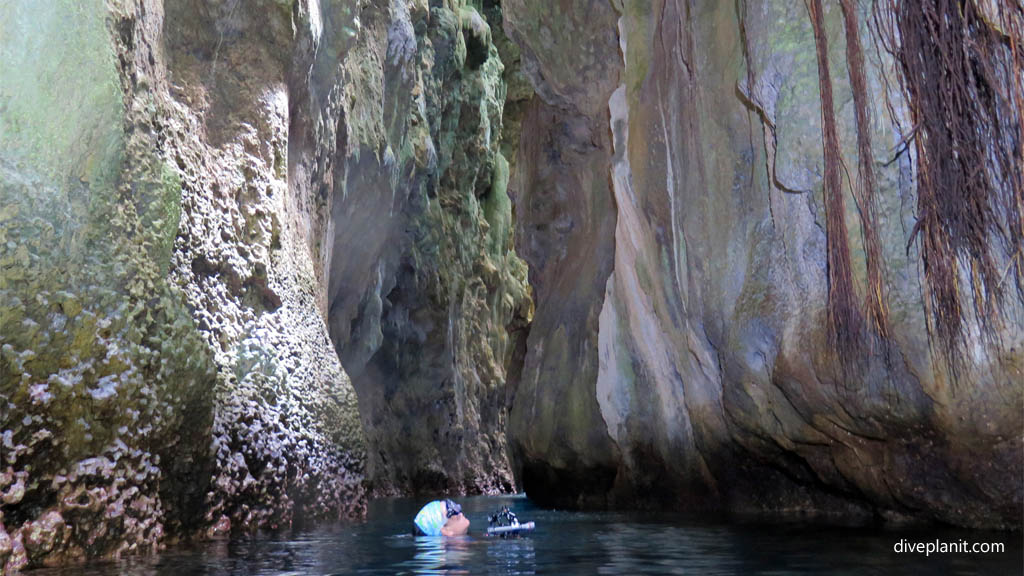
166, 366
668, 194
427, 299
286, 434
229, 176
565, 224
105, 385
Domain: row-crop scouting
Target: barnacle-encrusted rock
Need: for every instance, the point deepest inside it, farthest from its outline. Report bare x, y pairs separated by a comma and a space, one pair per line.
164, 359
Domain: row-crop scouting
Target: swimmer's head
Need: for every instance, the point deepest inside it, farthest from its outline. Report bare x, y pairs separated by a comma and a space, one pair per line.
442, 518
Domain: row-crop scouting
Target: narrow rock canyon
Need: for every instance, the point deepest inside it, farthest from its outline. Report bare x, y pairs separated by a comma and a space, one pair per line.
263, 260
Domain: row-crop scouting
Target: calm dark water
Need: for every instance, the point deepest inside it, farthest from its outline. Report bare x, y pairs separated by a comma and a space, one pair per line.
573, 543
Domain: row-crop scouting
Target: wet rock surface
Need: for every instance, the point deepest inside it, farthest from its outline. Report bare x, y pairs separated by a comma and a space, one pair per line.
286, 438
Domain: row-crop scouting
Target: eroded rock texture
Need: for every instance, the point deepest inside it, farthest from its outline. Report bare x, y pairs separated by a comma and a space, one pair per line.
669, 200
166, 367
428, 300
286, 434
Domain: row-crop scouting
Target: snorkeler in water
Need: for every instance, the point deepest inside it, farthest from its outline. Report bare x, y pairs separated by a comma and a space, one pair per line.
441, 518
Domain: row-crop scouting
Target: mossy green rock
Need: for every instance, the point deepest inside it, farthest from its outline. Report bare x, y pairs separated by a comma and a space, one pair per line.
165, 366
104, 382
428, 300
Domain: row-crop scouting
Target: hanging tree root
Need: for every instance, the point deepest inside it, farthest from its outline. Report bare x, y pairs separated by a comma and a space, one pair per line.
961, 75
844, 317
876, 298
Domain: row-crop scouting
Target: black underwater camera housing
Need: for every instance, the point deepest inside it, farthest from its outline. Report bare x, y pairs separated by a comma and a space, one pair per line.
504, 523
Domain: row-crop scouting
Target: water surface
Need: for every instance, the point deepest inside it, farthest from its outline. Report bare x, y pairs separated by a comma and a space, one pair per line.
572, 543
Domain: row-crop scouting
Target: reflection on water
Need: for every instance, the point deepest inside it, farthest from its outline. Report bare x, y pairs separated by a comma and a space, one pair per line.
440, 555
467, 555
570, 543
512, 556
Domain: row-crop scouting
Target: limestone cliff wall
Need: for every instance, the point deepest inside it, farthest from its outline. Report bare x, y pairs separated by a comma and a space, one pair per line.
287, 439
669, 201
221, 221
205, 204
166, 366
428, 302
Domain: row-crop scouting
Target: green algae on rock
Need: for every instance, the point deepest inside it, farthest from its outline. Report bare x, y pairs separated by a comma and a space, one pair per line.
132, 412
251, 212
105, 382
428, 298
